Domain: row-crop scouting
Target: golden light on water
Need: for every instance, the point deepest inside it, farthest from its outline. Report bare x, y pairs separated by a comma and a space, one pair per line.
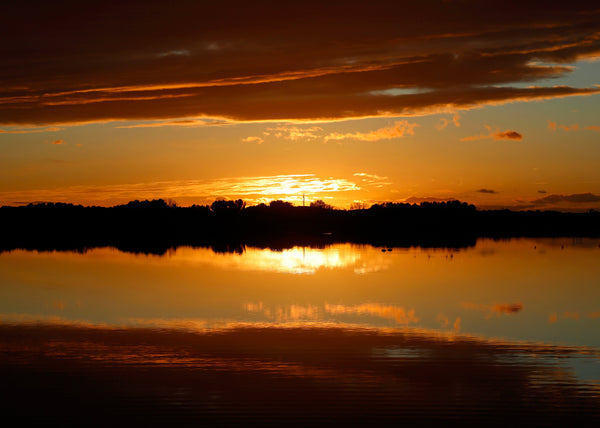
296, 260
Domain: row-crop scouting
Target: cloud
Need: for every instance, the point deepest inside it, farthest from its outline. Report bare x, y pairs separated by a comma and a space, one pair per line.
369, 176
178, 123
593, 128
400, 128
58, 142
554, 126
576, 202
577, 198
445, 122
490, 191
496, 135
254, 139
496, 309
30, 130
418, 200
508, 135
275, 61
294, 133
368, 180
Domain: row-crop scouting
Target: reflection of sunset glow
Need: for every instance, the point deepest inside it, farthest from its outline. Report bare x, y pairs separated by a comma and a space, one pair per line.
297, 260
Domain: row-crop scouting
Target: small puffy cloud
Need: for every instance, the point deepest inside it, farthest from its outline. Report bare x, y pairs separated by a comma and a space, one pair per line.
58, 142
593, 128
508, 135
554, 126
400, 128
542, 191
495, 135
490, 191
443, 123
252, 139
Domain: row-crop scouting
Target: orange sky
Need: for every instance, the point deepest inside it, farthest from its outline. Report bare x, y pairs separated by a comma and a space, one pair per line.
494, 103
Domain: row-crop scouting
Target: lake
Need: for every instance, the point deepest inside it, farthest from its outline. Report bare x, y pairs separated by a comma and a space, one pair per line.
505, 331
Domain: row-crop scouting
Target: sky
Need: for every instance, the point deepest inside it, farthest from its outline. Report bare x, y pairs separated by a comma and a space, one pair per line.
494, 103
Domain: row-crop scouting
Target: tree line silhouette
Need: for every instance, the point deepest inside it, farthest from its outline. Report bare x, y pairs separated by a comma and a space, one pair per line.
228, 225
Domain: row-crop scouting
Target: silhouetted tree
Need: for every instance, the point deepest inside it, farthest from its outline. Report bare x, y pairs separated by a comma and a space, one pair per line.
320, 204
279, 204
227, 207
359, 206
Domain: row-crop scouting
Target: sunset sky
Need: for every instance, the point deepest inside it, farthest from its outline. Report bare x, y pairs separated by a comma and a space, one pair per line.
495, 103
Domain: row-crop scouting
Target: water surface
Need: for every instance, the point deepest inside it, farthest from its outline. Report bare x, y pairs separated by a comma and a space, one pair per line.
504, 329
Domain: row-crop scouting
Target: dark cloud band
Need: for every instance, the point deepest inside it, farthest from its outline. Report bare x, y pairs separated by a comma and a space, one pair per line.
68, 61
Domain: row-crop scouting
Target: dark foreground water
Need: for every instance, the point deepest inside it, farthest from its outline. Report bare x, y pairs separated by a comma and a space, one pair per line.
501, 333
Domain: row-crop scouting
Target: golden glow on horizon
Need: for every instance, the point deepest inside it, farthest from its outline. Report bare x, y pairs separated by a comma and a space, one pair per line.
253, 190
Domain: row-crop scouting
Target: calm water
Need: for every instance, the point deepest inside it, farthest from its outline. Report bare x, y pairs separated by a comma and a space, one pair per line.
501, 332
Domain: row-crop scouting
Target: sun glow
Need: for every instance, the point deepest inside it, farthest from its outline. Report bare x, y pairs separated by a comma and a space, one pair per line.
253, 190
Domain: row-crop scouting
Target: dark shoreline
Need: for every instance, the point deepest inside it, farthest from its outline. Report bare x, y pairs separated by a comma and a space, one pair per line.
154, 227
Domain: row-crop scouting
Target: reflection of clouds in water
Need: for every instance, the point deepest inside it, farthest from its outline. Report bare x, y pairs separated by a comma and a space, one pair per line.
389, 312
404, 375
487, 252
572, 315
496, 309
397, 314
445, 322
